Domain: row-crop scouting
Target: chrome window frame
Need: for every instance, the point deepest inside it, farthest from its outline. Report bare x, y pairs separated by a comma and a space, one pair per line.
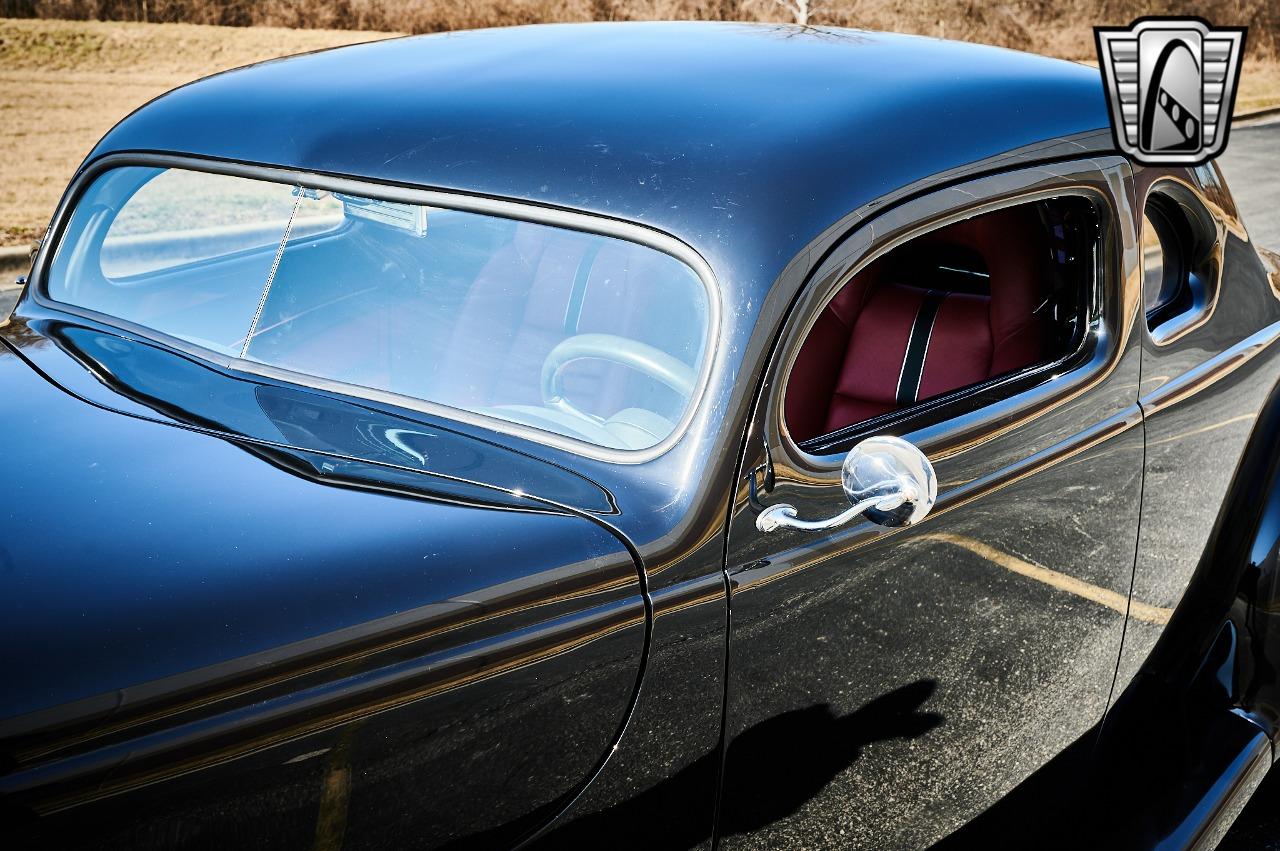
483, 205
1204, 300
1104, 341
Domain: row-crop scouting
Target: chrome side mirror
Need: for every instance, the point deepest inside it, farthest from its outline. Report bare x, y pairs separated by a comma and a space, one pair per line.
885, 478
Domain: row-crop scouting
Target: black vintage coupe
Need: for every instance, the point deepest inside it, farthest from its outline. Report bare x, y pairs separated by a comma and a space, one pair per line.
638, 436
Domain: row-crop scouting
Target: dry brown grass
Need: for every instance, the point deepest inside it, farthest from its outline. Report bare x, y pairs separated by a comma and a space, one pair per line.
1259, 85
1056, 27
63, 84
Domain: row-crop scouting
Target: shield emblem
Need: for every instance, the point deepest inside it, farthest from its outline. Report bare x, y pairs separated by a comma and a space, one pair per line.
1171, 87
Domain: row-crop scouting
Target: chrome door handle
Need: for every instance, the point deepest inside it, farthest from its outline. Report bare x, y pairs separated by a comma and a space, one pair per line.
885, 478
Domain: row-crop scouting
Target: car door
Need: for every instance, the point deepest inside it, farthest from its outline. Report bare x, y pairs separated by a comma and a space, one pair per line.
1210, 322
888, 685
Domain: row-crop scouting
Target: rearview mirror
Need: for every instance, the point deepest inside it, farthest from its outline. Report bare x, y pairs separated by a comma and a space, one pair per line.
894, 476
886, 479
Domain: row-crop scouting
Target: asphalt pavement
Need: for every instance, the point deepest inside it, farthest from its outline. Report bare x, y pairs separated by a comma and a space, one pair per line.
9, 291
1251, 165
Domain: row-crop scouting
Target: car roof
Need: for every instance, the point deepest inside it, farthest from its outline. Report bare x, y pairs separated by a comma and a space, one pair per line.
744, 141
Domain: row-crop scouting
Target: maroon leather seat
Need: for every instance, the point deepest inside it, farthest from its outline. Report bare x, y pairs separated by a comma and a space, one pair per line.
884, 343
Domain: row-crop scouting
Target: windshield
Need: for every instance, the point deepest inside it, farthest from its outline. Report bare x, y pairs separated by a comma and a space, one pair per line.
582, 335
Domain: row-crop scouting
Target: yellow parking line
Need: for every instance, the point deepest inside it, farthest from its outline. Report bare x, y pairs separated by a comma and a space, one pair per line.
335, 793
1102, 596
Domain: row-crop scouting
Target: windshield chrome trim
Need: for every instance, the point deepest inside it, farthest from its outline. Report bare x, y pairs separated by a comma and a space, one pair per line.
505, 208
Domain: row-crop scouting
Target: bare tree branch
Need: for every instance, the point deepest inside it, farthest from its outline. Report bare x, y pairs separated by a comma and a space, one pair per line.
802, 10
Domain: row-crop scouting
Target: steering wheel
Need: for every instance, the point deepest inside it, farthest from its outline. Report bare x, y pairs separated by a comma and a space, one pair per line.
632, 354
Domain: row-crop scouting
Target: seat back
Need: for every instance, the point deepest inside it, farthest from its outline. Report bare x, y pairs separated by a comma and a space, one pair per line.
884, 343
544, 286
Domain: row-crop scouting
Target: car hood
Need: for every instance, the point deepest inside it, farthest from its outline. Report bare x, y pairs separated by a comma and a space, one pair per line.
203, 523
387, 446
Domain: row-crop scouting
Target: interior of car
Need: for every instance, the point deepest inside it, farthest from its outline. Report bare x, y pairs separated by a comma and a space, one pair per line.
954, 309
475, 316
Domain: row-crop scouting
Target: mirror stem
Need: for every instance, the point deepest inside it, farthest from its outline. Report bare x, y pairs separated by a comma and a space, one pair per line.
784, 515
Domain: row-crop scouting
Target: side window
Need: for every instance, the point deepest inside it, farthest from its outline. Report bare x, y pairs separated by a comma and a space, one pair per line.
954, 309
1179, 266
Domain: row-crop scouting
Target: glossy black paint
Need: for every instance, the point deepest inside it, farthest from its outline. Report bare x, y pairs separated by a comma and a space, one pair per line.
1191, 734
945, 609
270, 653
140, 377
217, 607
1194, 439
